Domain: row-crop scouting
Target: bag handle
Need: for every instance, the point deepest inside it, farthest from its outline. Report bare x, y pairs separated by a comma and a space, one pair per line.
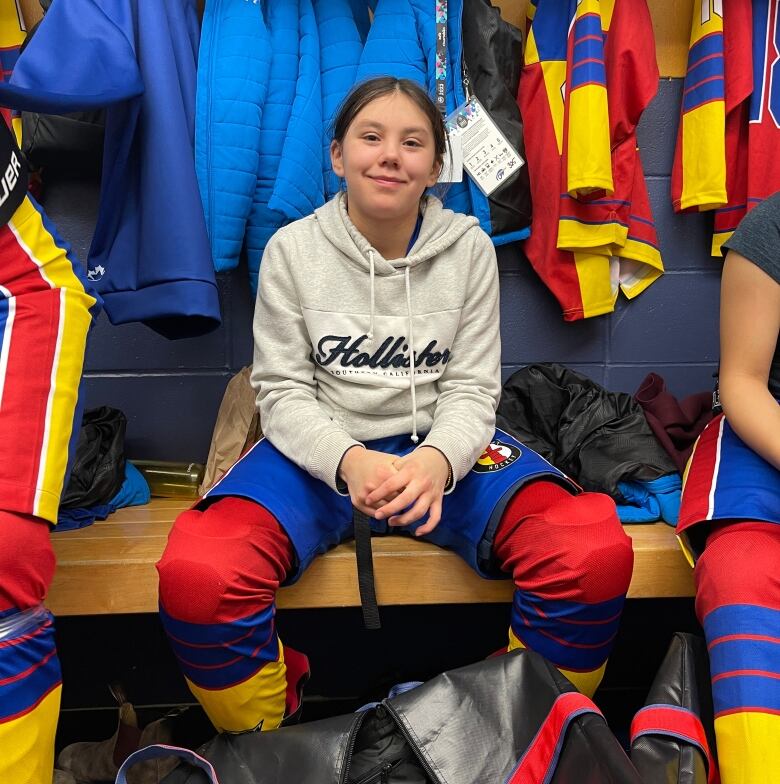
679, 723
542, 754
160, 750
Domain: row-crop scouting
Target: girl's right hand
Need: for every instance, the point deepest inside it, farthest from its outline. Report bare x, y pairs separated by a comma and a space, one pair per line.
364, 470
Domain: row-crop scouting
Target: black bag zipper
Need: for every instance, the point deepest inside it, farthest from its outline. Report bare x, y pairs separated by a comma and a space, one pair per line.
429, 772
351, 740
379, 774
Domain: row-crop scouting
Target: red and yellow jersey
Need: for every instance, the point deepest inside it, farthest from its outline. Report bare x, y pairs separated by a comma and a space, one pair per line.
616, 219
754, 136
589, 72
586, 148
699, 172
730, 116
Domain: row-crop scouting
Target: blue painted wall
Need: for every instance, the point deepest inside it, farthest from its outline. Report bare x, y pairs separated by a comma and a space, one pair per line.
170, 391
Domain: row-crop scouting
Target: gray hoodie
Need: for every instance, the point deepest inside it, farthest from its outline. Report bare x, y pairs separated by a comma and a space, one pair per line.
334, 322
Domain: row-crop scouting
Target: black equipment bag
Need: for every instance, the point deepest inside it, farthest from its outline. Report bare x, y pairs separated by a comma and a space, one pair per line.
513, 719
673, 736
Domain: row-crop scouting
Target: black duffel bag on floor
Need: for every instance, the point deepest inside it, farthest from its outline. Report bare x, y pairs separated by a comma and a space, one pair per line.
512, 719
673, 736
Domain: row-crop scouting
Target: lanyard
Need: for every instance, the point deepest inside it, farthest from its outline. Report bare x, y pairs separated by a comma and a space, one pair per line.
441, 56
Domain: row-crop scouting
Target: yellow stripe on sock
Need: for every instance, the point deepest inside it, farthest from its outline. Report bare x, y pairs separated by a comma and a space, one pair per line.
27, 743
748, 747
258, 701
586, 682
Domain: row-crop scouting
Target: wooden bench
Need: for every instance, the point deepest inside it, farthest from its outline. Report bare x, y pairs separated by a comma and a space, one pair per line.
109, 568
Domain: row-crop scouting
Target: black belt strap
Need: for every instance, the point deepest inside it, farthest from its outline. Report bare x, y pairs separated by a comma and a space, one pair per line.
365, 570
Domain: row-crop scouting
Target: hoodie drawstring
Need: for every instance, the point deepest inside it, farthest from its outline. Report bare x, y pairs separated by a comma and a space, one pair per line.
415, 437
371, 284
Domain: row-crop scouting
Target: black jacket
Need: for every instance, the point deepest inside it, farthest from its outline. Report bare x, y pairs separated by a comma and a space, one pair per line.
596, 437
493, 54
98, 467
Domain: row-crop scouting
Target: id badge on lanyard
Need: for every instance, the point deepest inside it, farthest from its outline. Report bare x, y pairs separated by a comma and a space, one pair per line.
474, 141
487, 155
452, 168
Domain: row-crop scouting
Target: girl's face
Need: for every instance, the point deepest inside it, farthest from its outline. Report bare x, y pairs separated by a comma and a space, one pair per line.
387, 158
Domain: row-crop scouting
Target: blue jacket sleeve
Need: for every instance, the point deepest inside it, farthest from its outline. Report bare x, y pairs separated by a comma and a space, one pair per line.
81, 57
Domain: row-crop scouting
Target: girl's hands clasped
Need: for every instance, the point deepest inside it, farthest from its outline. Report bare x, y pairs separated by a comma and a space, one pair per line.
364, 470
417, 486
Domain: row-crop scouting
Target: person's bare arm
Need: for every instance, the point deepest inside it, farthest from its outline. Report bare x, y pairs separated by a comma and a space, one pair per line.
749, 325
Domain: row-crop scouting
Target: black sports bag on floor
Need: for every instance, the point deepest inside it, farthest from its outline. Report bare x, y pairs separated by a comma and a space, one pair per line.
513, 719
673, 736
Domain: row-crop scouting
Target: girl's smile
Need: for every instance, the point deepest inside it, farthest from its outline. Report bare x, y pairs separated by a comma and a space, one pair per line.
388, 159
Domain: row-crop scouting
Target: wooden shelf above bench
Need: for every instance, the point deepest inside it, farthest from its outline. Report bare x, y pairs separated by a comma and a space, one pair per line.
108, 568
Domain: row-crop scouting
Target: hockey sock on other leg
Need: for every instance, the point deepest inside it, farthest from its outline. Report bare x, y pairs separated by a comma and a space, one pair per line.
738, 604
571, 563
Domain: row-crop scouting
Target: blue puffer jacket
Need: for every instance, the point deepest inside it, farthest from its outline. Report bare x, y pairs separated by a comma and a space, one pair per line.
341, 45
296, 189
402, 43
234, 64
282, 20
305, 53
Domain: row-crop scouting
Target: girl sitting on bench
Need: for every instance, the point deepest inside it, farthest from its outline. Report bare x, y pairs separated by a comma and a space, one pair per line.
377, 370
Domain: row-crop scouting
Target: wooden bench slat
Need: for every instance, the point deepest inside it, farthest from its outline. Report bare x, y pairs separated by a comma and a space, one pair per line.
109, 568
66, 543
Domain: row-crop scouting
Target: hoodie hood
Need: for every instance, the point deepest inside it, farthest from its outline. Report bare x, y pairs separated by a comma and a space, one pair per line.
440, 228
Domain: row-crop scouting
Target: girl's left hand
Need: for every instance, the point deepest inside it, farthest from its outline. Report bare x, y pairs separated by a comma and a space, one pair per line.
419, 484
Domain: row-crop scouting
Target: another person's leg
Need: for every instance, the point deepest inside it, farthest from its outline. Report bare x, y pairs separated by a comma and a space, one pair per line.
738, 604
30, 680
571, 563
46, 310
218, 580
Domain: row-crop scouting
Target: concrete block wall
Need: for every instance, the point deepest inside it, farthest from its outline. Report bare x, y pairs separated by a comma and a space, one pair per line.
170, 391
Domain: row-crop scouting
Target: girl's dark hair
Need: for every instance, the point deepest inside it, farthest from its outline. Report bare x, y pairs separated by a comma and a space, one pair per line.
370, 90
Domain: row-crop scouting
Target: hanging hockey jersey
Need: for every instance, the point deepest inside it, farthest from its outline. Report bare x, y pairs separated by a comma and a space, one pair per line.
589, 73
710, 159
753, 144
586, 115
699, 171
730, 118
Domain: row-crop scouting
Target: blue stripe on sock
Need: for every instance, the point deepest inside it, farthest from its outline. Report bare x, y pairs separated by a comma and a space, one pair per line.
742, 619
744, 638
746, 691
568, 633
733, 655
24, 681
219, 655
